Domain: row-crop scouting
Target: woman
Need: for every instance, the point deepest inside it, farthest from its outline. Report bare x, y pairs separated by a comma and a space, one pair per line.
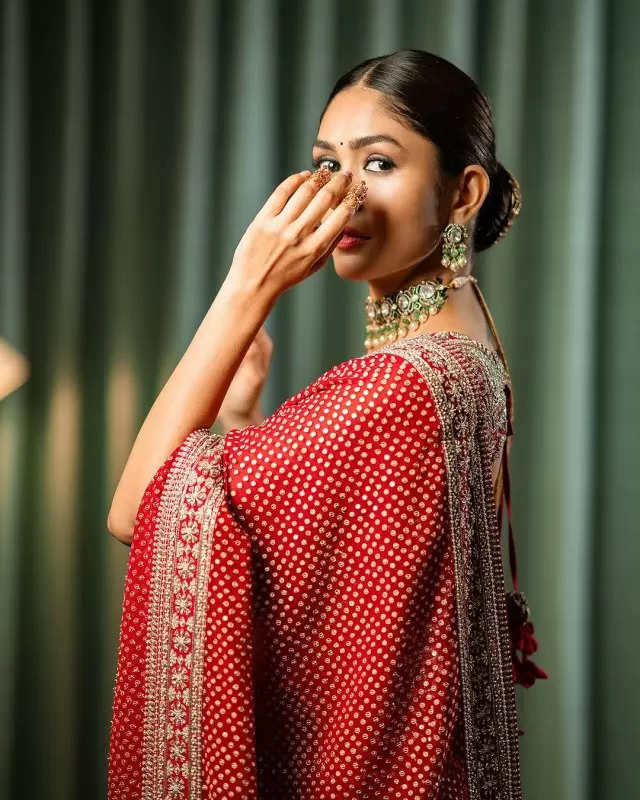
314, 604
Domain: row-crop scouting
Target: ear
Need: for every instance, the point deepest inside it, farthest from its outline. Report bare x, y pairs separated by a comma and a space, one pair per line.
468, 197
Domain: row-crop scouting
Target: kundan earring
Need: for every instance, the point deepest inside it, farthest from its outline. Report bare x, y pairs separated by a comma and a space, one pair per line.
454, 247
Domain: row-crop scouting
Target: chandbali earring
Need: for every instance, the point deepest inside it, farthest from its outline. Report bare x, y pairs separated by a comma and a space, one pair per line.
454, 246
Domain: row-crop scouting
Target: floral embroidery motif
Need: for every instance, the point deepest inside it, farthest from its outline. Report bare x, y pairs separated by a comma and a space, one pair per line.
178, 608
467, 380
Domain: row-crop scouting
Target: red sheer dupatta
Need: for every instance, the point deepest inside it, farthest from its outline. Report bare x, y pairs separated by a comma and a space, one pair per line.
314, 606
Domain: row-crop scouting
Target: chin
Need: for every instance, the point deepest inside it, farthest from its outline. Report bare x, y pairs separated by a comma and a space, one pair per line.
351, 267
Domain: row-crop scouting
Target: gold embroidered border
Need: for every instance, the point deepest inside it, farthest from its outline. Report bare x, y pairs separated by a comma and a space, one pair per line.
466, 397
177, 618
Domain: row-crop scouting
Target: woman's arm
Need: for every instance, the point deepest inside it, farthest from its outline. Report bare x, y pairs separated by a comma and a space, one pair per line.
228, 423
193, 394
242, 404
286, 242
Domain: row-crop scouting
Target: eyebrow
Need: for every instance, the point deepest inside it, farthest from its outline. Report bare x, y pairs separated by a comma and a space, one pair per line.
362, 141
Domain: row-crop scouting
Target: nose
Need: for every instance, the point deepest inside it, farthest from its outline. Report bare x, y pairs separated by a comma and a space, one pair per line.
353, 170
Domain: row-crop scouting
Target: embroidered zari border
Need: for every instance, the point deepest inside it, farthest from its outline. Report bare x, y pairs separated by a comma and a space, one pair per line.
177, 618
467, 381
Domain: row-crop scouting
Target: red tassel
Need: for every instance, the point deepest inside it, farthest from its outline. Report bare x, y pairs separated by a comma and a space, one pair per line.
521, 631
527, 641
523, 641
524, 670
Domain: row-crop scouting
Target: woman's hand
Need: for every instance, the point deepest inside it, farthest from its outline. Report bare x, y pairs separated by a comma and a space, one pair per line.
287, 241
290, 238
241, 405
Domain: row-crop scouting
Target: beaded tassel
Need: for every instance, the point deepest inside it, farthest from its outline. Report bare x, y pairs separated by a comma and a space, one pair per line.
454, 246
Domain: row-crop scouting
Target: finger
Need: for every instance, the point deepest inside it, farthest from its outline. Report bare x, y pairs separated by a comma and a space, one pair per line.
278, 199
331, 228
315, 197
328, 252
325, 256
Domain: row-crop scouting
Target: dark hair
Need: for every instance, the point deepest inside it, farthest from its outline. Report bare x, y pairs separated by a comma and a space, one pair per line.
443, 103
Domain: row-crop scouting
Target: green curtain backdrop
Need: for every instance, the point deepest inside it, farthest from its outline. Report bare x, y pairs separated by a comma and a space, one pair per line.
138, 139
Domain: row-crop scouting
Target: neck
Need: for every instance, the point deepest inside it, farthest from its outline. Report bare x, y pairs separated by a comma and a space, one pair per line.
389, 284
457, 310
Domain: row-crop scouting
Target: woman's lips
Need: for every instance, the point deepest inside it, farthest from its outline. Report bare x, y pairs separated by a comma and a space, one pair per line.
349, 240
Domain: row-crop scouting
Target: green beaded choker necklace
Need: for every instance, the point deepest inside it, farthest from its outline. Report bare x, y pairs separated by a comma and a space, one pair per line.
396, 314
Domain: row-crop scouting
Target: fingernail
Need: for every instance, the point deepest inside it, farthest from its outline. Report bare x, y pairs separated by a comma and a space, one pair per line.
348, 174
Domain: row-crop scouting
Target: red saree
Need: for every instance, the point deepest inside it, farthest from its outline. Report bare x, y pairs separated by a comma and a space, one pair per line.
314, 606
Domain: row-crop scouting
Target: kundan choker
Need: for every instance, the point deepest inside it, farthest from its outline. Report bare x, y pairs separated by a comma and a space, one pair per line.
396, 314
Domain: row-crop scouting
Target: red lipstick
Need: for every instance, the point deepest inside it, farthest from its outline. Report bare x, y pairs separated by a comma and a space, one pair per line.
352, 237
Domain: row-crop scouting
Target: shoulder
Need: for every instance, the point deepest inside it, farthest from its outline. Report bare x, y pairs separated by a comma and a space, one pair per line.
460, 375
467, 381
371, 377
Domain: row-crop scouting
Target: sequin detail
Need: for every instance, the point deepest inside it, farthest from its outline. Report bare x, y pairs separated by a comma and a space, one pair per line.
351, 644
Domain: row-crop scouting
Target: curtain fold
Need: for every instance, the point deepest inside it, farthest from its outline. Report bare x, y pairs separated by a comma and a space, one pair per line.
137, 141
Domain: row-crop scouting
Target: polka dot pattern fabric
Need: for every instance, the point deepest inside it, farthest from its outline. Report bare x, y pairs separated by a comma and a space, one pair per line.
343, 497
324, 654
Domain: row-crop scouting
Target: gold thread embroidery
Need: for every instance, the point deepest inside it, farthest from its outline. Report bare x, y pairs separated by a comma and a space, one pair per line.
177, 616
469, 404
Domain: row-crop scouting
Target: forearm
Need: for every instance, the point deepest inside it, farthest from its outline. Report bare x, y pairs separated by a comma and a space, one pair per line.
193, 394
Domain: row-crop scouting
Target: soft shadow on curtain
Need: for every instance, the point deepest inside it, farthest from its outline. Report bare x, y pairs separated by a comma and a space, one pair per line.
138, 141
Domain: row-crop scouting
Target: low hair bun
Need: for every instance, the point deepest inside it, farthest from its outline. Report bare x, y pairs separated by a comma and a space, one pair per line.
500, 206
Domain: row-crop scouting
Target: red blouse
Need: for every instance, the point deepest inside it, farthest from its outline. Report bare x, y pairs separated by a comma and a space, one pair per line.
314, 607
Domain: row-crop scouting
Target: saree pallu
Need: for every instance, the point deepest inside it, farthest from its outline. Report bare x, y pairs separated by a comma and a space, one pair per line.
314, 607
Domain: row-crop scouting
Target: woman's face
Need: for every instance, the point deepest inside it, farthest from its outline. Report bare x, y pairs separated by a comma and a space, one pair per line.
400, 212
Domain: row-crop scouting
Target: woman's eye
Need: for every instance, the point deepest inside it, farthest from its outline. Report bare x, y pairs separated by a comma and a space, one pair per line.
318, 162
386, 164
